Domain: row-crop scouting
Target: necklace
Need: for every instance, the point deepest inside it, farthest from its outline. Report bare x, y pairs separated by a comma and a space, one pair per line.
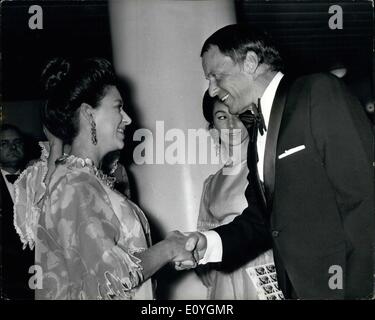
77, 162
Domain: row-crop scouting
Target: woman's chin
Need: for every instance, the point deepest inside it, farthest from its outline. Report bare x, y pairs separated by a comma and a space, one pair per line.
120, 145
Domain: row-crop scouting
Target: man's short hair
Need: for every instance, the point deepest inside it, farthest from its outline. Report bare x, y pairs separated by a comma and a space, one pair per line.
237, 39
7, 126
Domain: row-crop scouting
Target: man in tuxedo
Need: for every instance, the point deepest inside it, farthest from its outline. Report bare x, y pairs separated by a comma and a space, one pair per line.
15, 261
311, 180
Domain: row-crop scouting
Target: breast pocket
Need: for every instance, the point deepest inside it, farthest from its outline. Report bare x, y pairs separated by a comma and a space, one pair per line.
292, 151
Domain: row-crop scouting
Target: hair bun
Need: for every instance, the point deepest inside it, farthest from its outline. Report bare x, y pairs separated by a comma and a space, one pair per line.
55, 72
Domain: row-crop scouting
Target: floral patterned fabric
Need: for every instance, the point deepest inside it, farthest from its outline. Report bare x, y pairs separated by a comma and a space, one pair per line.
87, 236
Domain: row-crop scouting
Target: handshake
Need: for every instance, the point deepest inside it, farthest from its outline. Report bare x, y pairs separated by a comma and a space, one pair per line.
187, 248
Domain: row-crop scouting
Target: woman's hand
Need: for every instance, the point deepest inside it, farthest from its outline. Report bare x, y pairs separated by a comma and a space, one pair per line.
177, 243
172, 248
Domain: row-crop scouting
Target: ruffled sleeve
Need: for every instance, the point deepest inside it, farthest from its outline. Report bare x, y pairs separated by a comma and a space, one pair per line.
29, 192
79, 245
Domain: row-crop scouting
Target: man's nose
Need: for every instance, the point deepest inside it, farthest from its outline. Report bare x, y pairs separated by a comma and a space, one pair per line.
13, 145
212, 88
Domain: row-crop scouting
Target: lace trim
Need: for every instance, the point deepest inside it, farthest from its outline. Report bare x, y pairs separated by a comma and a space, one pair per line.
128, 284
45, 149
25, 222
138, 250
136, 275
22, 234
71, 160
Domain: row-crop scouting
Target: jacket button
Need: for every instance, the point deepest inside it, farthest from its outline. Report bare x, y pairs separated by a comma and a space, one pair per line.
275, 233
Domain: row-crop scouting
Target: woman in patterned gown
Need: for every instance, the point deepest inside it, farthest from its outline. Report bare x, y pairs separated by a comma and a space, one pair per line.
223, 198
91, 242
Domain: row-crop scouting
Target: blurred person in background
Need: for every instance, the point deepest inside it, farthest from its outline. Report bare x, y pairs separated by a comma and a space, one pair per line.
15, 261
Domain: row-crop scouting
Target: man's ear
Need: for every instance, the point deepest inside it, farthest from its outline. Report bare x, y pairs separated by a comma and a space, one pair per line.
251, 62
87, 112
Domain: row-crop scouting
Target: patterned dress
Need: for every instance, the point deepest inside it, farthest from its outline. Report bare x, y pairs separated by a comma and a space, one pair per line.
223, 198
86, 237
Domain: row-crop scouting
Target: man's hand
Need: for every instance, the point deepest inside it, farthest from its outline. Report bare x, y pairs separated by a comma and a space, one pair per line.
177, 247
197, 244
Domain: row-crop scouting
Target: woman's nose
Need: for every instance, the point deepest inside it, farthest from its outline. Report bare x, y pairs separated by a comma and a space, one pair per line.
126, 118
231, 122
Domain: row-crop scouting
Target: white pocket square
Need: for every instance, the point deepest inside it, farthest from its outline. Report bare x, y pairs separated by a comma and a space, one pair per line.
291, 151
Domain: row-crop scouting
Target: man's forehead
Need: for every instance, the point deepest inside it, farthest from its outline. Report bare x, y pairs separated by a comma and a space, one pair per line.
214, 60
9, 134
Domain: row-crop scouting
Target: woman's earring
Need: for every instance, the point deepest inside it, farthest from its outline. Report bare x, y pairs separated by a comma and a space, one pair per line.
94, 140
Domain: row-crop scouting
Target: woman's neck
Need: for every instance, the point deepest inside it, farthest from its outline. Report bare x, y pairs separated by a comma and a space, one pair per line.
237, 153
83, 149
242, 155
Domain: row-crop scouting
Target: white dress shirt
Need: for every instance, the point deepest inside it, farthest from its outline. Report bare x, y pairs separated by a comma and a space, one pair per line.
214, 251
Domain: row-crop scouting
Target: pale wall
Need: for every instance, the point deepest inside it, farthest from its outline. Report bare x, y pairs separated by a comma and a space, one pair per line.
157, 45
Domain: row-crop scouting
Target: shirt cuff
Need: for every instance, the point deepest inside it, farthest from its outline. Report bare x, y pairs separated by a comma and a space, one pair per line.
214, 251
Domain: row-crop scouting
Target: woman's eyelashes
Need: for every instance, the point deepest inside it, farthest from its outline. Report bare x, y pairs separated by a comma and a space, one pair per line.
119, 106
221, 116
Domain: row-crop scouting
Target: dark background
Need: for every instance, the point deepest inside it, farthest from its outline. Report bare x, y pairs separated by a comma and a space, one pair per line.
70, 29
81, 29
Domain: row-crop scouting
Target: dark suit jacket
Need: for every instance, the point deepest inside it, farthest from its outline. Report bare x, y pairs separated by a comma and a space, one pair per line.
320, 210
15, 261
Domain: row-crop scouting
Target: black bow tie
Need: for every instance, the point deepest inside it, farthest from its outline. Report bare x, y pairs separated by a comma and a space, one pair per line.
12, 177
254, 117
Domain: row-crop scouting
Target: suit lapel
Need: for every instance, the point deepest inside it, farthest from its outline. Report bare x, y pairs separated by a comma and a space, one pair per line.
272, 137
5, 195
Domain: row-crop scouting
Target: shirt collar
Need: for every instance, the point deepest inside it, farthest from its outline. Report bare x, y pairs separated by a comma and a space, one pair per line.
268, 96
4, 172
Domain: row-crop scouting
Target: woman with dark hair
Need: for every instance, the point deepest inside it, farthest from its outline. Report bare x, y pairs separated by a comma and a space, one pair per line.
91, 242
223, 198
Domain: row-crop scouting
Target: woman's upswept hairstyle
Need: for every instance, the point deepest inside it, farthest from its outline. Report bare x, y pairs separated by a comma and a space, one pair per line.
68, 84
208, 104
237, 39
